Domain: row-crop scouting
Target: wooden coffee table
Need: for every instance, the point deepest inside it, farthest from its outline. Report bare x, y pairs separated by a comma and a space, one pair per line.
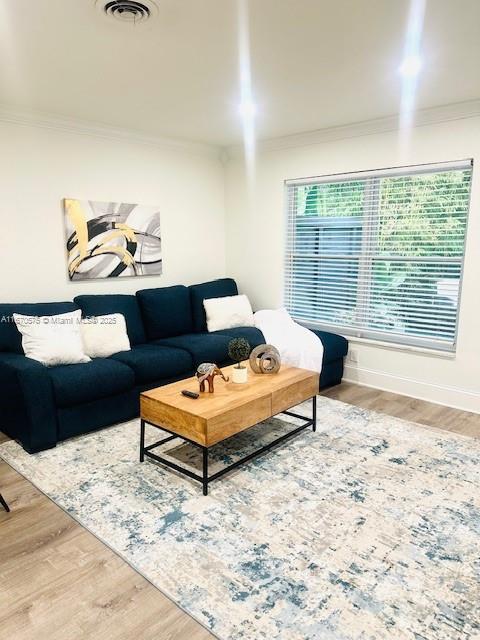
232, 408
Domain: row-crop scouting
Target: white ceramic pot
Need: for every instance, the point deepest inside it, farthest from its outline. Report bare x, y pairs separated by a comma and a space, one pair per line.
239, 375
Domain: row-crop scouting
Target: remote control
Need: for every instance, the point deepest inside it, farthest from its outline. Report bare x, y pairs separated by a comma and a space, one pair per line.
190, 394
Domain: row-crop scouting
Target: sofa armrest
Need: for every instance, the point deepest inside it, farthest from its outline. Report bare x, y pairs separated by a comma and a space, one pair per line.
27, 404
334, 345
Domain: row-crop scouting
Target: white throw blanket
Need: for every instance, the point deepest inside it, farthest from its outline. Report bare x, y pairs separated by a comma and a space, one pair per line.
298, 346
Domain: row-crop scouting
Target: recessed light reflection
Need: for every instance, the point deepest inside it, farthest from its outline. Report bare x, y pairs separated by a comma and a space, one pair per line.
409, 70
411, 66
247, 109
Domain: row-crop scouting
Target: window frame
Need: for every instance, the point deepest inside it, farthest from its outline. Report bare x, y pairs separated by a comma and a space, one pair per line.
366, 257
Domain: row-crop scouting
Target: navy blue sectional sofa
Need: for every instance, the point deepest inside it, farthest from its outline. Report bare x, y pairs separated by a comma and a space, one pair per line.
40, 406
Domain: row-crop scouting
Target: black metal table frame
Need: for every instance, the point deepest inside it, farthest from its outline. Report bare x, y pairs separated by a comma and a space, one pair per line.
4, 504
205, 479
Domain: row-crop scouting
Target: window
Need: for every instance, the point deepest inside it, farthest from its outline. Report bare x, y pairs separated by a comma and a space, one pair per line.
379, 254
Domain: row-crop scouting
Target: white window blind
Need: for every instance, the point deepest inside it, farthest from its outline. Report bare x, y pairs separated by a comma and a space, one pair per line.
379, 254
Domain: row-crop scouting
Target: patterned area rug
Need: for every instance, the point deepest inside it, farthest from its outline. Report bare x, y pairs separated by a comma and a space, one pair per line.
367, 529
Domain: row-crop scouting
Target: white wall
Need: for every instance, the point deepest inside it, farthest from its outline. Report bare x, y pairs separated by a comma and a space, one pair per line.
40, 166
255, 249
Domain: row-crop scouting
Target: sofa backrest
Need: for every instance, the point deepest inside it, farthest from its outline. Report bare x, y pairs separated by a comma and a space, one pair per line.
213, 289
10, 336
166, 311
151, 314
127, 305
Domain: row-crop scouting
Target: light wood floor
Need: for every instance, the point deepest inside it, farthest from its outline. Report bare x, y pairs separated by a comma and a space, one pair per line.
58, 582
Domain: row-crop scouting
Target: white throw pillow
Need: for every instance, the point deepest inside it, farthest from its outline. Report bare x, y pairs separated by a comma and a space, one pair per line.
105, 335
52, 340
228, 312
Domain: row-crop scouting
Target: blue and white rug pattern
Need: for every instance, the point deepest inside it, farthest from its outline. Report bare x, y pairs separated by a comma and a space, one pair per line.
368, 529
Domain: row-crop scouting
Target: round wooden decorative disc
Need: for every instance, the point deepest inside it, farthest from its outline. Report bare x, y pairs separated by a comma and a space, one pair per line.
265, 359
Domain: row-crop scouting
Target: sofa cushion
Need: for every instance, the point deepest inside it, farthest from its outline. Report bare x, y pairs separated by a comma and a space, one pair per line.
334, 346
252, 334
101, 305
77, 383
152, 362
166, 311
203, 347
200, 292
10, 337
82, 418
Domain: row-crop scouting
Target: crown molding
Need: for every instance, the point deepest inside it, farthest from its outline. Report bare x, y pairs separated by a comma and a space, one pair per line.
423, 117
24, 117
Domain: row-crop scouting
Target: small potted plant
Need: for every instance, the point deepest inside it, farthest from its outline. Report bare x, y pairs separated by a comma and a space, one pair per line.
239, 350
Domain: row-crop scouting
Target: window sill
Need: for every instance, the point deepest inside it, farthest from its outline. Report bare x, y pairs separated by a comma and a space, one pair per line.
383, 344
395, 346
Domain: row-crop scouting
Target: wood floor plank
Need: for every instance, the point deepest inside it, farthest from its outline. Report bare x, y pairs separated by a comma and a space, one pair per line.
412, 409
57, 581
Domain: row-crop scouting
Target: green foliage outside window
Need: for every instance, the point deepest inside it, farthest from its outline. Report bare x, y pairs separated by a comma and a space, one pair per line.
410, 217
409, 220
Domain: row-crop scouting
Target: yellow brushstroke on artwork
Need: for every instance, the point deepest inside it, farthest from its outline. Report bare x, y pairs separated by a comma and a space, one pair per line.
126, 257
77, 217
124, 230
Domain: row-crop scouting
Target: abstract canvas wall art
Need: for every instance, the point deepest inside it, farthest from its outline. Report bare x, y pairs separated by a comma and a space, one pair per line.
112, 239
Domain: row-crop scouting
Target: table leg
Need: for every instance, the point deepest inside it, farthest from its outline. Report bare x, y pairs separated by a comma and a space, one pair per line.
205, 471
314, 412
142, 440
4, 503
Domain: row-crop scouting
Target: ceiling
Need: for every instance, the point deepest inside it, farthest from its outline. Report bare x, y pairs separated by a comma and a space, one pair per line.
315, 63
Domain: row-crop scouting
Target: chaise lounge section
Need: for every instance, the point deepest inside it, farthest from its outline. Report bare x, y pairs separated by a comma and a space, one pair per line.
40, 406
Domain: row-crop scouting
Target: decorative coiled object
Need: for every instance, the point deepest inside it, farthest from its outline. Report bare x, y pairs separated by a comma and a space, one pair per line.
265, 359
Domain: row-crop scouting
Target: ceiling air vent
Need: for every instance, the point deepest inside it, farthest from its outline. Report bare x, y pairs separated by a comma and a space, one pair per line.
128, 10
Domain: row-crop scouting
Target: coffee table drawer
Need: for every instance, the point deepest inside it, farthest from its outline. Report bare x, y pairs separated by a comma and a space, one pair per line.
184, 424
232, 421
294, 394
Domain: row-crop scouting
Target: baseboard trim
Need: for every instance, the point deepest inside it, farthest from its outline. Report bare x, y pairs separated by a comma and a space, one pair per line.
444, 395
